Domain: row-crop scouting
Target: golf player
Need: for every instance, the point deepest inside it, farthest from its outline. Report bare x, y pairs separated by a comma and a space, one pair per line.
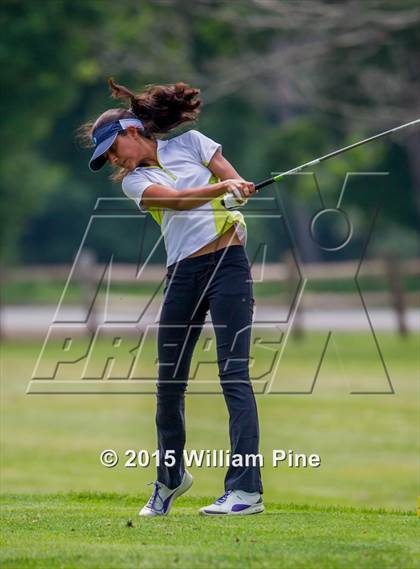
180, 181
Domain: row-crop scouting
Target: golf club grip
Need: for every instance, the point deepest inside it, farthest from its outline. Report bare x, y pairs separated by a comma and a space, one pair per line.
264, 183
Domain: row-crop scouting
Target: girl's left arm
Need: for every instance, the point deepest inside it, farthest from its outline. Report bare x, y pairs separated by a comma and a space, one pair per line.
222, 168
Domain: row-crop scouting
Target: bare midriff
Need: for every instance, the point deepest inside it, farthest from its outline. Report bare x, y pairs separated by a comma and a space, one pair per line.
230, 237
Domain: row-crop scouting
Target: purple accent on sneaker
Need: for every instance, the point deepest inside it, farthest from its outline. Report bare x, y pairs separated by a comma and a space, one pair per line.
152, 503
224, 497
213, 512
154, 497
240, 507
166, 502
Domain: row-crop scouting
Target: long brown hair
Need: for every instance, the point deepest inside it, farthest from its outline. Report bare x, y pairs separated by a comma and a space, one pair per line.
161, 108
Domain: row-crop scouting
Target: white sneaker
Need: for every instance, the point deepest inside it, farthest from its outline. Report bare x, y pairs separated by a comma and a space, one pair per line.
235, 502
160, 502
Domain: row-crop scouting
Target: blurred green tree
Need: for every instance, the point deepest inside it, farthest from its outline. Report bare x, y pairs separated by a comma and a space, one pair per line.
281, 83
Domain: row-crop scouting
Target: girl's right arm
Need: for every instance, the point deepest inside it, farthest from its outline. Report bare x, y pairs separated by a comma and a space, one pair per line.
157, 195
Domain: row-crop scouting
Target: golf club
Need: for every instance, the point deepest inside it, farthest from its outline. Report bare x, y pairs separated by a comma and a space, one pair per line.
230, 202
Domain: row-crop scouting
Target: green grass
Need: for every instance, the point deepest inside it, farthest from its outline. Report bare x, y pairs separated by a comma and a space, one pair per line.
104, 530
368, 445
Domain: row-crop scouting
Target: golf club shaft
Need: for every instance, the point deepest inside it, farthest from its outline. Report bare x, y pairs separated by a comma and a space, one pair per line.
278, 177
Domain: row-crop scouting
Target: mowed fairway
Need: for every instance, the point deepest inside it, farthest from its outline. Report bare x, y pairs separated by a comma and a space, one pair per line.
61, 508
101, 530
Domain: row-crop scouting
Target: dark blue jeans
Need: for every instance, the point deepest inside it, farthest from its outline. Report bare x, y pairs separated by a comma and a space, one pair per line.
220, 282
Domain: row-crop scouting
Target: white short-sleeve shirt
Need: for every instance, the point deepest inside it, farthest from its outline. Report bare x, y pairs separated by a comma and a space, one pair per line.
183, 162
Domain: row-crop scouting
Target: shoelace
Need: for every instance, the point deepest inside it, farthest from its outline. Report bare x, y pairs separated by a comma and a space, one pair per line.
224, 497
154, 497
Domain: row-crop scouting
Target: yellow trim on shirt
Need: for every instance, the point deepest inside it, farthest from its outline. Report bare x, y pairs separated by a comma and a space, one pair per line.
223, 218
